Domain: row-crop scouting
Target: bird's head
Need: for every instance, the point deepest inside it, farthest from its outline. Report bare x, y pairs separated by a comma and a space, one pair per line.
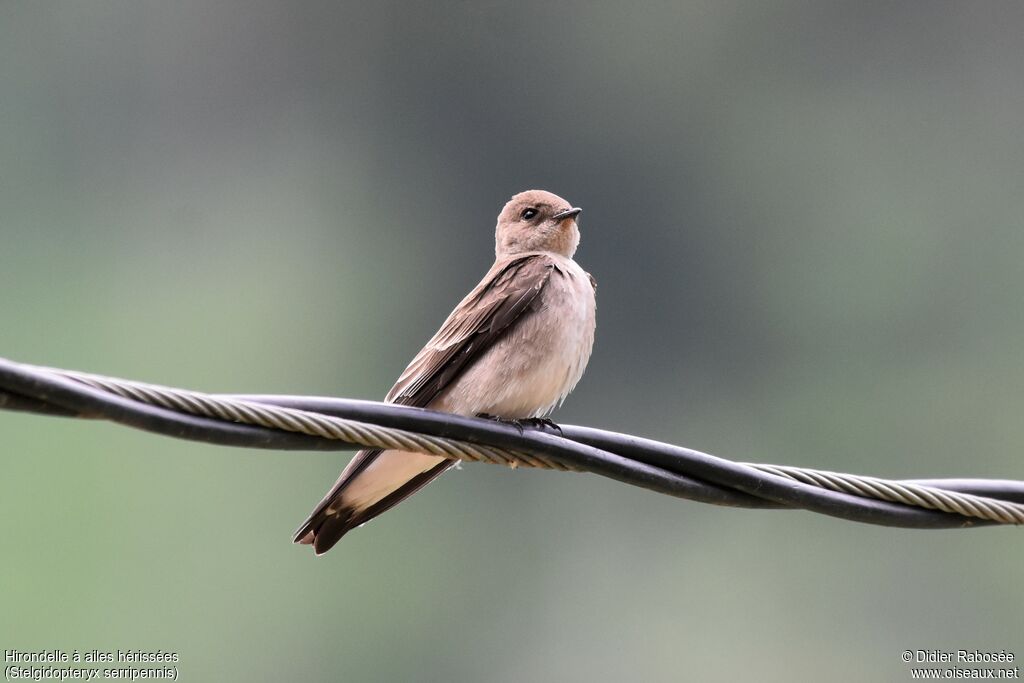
536, 220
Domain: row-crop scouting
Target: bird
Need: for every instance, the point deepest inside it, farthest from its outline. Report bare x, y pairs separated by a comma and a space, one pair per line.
512, 349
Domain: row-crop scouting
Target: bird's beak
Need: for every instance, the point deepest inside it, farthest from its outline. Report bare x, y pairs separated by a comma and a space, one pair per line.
568, 213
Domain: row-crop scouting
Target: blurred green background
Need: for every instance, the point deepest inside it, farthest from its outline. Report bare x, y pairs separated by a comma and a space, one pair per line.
805, 220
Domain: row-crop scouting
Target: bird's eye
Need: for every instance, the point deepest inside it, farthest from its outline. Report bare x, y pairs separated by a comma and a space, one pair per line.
527, 214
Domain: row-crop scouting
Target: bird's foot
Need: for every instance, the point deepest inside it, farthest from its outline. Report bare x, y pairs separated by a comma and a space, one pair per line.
543, 424
539, 423
515, 423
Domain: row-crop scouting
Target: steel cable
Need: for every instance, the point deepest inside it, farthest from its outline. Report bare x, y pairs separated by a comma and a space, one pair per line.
318, 423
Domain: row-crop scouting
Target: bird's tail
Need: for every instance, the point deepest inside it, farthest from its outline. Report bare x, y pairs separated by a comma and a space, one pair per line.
333, 517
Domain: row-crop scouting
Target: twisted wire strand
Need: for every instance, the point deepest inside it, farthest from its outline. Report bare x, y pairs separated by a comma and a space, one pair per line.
367, 434
938, 496
306, 422
903, 492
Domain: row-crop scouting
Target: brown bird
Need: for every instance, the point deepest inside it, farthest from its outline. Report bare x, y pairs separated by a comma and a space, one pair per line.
513, 348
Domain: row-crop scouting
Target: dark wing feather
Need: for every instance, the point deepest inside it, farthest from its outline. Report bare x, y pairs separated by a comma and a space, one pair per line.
475, 324
508, 292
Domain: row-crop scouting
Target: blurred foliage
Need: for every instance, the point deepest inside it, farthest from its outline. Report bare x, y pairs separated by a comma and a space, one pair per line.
805, 222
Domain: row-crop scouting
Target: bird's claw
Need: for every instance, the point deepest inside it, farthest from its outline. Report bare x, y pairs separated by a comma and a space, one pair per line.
495, 418
541, 423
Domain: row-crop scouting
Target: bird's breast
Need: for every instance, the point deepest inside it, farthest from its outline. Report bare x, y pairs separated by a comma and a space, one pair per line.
529, 371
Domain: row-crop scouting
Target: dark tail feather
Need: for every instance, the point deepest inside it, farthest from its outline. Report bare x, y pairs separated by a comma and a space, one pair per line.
323, 529
331, 520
